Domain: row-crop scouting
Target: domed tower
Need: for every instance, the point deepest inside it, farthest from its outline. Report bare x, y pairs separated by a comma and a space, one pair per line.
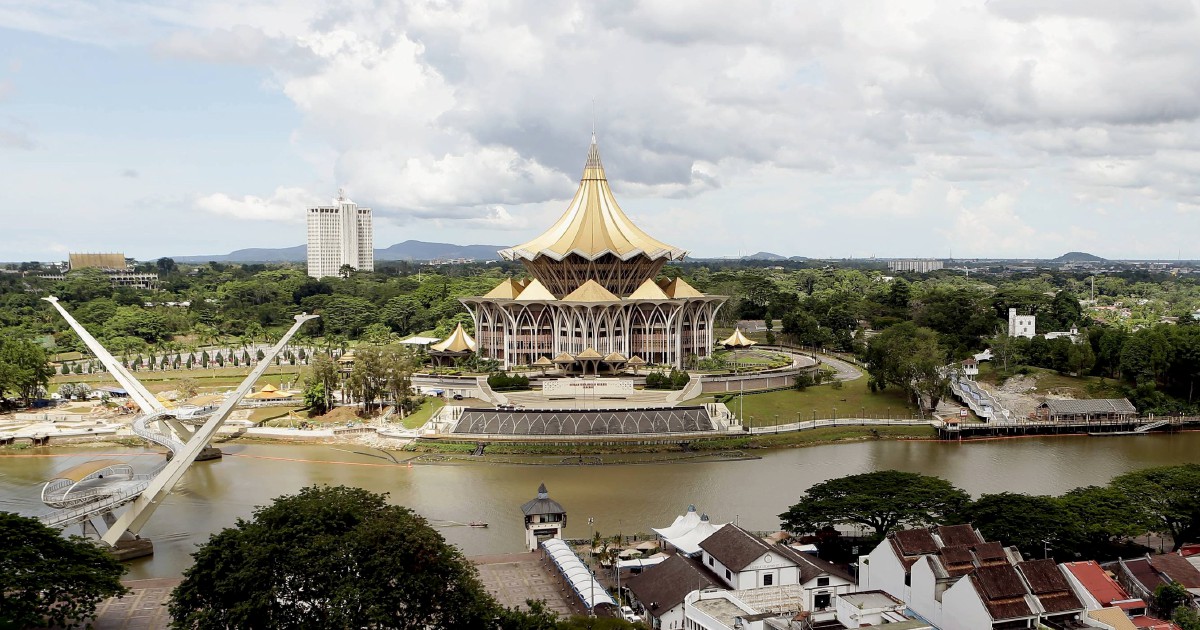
593, 240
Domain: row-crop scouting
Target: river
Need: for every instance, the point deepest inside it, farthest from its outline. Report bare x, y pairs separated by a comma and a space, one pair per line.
622, 498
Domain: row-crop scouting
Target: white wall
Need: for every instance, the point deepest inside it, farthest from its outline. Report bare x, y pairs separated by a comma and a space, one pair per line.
669, 619
962, 609
883, 571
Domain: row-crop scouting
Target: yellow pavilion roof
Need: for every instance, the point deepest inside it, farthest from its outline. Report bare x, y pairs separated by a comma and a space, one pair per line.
458, 341
593, 225
589, 353
738, 340
591, 291
649, 290
507, 290
563, 357
543, 360
636, 360
677, 288
535, 290
615, 357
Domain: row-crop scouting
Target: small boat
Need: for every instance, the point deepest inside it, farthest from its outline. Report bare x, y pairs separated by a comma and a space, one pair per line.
477, 524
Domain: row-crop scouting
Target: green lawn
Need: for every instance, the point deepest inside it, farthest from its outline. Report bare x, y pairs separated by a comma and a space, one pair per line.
1049, 381
165, 380
852, 400
422, 415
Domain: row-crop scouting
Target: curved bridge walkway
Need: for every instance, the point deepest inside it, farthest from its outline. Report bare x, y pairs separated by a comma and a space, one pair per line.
91, 494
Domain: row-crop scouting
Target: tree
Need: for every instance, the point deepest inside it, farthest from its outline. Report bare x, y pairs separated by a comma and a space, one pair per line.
881, 500
1106, 516
1028, 521
331, 557
368, 378
50, 580
322, 376
1169, 597
23, 369
1080, 358
1186, 618
911, 358
1167, 496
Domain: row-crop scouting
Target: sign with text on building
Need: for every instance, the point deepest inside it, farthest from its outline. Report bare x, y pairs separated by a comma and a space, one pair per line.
588, 387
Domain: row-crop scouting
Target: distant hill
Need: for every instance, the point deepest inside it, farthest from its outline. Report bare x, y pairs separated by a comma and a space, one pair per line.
408, 250
764, 256
420, 250
1078, 257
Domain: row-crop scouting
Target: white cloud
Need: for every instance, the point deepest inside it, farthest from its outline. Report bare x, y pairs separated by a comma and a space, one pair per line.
477, 112
286, 205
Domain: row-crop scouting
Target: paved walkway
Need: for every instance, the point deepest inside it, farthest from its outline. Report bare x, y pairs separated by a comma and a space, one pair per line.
514, 578
144, 608
846, 371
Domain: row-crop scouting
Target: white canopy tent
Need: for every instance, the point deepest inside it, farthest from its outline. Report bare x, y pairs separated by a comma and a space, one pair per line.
420, 341
578, 575
689, 543
682, 525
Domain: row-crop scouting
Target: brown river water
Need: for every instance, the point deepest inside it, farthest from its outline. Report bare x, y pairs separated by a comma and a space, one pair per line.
624, 498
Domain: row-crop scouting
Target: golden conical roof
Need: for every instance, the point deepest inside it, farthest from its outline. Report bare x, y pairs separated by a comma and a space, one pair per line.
458, 341
593, 225
507, 290
636, 360
680, 289
543, 360
589, 353
615, 357
738, 340
648, 291
591, 291
535, 290
563, 357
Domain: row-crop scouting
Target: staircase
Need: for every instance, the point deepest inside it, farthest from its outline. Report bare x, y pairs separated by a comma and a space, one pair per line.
1150, 426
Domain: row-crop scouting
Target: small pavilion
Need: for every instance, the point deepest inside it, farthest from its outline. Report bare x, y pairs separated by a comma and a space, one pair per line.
459, 344
737, 340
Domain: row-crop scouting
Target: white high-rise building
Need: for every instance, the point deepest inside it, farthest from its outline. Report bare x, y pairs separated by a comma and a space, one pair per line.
339, 235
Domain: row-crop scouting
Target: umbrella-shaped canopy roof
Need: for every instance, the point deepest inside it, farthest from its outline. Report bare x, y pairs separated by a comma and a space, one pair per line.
563, 357
636, 360
738, 340
615, 357
458, 341
543, 361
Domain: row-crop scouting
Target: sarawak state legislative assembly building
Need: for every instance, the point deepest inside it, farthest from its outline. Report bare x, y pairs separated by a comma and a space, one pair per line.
594, 304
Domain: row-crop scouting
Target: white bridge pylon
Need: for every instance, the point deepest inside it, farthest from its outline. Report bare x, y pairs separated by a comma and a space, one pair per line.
138, 392
143, 498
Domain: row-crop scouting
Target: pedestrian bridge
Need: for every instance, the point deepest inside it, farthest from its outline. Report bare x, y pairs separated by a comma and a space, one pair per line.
107, 497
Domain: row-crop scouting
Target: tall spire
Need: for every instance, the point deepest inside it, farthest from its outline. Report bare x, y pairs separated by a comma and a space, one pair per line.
593, 168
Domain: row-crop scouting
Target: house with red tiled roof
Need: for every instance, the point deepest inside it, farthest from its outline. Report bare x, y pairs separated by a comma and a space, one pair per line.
957, 580
1102, 594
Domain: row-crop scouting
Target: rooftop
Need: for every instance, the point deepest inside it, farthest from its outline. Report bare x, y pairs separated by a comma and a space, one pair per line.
593, 226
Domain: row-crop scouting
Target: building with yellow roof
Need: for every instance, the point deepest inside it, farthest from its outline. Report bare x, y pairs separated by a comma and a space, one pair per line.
594, 287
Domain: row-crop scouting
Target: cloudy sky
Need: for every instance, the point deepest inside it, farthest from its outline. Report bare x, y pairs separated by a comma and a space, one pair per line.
1003, 128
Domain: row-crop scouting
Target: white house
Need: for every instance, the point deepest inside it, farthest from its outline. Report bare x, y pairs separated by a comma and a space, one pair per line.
661, 590
1021, 325
740, 560
953, 578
